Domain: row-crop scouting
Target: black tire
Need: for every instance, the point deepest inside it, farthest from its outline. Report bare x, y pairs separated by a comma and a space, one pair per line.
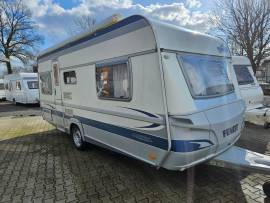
77, 138
266, 189
14, 102
266, 125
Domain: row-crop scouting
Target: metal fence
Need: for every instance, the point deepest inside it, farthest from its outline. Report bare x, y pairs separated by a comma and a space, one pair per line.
263, 79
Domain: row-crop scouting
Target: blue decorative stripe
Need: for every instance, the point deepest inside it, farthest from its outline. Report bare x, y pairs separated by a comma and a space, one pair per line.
131, 134
141, 111
162, 143
189, 145
96, 34
154, 125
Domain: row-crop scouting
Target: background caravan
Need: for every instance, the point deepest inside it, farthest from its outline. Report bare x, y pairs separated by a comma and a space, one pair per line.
22, 88
141, 88
2, 90
246, 83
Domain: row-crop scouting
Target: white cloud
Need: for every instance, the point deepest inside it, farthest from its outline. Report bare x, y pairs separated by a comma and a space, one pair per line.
193, 3
113, 4
55, 21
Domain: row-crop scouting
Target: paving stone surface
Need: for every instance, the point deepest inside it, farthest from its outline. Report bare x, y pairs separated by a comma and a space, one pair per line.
39, 164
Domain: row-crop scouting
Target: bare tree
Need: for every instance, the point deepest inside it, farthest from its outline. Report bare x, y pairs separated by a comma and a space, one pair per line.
18, 36
246, 26
81, 24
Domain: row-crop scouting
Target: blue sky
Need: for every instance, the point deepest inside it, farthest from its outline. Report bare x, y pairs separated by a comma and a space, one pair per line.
55, 18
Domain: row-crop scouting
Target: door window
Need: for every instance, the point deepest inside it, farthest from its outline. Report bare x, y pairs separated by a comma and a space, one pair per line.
18, 85
56, 74
46, 83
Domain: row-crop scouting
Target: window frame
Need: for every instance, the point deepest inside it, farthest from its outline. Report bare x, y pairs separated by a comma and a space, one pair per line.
40, 81
130, 81
18, 85
236, 66
193, 95
3, 85
74, 83
56, 72
31, 81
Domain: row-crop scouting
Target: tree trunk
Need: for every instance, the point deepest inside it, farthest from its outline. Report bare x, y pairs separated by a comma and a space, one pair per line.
254, 66
9, 69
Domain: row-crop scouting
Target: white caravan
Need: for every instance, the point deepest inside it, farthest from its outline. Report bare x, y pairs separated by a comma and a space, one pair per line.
2, 90
22, 88
147, 89
246, 83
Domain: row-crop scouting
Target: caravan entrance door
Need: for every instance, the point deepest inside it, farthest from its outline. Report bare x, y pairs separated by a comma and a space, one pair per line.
58, 115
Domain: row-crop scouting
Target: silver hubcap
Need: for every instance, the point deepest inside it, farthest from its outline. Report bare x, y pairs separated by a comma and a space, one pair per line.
77, 138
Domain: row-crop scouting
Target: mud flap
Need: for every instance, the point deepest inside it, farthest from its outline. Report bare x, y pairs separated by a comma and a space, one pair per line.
243, 159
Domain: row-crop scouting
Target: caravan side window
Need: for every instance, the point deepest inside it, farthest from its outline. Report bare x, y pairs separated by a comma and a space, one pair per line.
46, 83
113, 81
70, 77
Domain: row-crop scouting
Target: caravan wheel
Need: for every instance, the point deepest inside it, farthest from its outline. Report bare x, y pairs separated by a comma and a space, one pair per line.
14, 102
266, 189
77, 138
266, 125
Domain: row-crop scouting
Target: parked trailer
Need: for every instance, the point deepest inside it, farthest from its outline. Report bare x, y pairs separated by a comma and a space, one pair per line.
2, 90
246, 83
149, 90
22, 88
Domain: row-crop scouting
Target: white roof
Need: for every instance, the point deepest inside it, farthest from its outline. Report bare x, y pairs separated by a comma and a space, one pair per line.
240, 60
167, 36
177, 38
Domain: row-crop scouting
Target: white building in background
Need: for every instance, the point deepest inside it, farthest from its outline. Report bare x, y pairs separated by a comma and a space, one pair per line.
266, 66
2, 90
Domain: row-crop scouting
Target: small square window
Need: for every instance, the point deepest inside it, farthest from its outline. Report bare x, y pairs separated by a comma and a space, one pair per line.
70, 77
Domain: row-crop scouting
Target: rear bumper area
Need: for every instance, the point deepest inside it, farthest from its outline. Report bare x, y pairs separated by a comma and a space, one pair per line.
181, 161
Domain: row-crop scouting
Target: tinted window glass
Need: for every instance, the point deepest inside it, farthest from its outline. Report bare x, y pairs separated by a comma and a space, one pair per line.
206, 75
46, 83
32, 84
2, 87
243, 75
70, 77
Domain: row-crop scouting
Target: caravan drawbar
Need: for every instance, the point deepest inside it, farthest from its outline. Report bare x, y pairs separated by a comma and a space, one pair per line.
147, 89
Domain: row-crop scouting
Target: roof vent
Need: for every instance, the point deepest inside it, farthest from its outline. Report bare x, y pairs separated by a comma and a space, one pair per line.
107, 22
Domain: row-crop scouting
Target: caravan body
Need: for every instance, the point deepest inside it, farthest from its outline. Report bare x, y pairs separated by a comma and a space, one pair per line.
22, 88
246, 82
2, 90
150, 90
251, 92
